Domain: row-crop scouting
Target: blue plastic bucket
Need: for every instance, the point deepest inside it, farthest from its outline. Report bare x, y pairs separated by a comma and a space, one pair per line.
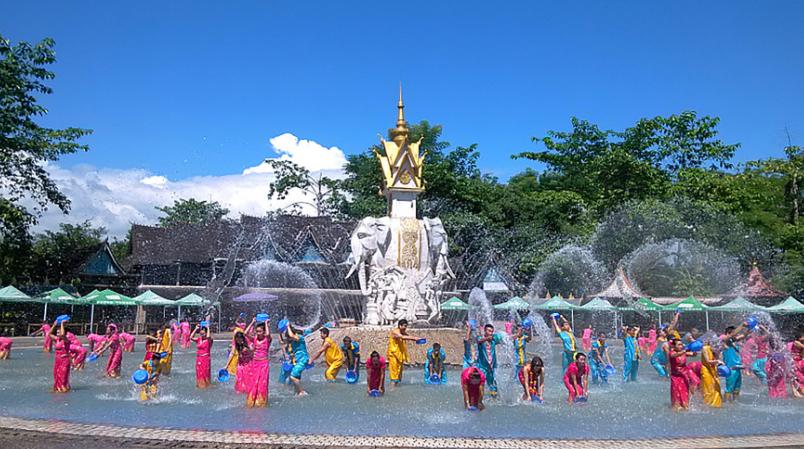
223, 375
723, 371
435, 379
262, 317
351, 377
140, 376
610, 370
375, 393
527, 323
695, 346
287, 366
282, 325
92, 357
421, 341
61, 318
471, 408
473, 324
752, 322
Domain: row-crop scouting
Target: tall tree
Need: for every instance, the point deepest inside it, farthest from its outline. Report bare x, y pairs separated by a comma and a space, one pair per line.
791, 170
25, 146
191, 211
322, 193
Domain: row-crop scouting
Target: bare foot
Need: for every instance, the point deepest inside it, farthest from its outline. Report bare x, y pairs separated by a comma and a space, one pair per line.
301, 394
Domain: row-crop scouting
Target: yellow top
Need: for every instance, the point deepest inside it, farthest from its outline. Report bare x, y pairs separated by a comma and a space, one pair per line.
334, 352
397, 348
710, 383
166, 345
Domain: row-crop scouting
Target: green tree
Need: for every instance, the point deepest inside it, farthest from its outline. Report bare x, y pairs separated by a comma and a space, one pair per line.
324, 192
791, 170
25, 146
57, 254
191, 211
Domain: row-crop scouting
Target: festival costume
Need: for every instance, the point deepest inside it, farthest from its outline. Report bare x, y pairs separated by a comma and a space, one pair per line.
758, 367
487, 360
575, 373
397, 356
710, 383
166, 345
630, 359
243, 375
531, 383
259, 373
150, 388
47, 345
597, 363
473, 390
693, 373
232, 366
468, 357
115, 355
733, 359
351, 354
586, 340
5, 346
300, 357
659, 358
61, 366
776, 372
520, 353
374, 372
203, 369
185, 334
679, 383
334, 359
433, 359
568, 341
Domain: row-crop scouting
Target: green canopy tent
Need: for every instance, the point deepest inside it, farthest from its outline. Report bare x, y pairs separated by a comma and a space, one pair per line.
515, 303
150, 299
557, 303
454, 303
739, 304
789, 305
106, 298
57, 296
191, 300
690, 304
601, 305
11, 294
643, 304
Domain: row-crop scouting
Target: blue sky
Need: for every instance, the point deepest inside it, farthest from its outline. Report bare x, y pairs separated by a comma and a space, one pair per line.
188, 89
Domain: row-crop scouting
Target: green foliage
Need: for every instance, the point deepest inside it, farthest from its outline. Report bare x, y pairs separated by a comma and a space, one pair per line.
56, 255
25, 146
191, 211
289, 176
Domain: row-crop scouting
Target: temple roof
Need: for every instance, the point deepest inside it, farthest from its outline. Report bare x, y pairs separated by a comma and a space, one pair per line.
620, 287
757, 286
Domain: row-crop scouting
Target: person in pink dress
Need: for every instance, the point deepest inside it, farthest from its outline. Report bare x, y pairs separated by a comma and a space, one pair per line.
747, 355
61, 362
586, 338
472, 384
47, 345
185, 334
260, 369
95, 341
112, 343
375, 374
776, 372
203, 368
241, 348
652, 338
5, 348
576, 378
127, 340
679, 381
175, 331
78, 353
796, 348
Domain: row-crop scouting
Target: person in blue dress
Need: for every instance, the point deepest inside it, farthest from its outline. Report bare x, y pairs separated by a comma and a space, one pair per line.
351, 354
487, 356
522, 336
298, 347
469, 358
564, 331
599, 359
631, 353
659, 358
435, 372
734, 360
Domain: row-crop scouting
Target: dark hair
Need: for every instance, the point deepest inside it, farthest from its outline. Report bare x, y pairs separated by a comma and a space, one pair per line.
601, 335
437, 345
373, 353
402, 322
730, 329
240, 341
325, 331
488, 326
579, 355
346, 337
536, 362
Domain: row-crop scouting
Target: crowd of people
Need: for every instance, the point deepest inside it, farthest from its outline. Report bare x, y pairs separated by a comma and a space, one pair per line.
692, 363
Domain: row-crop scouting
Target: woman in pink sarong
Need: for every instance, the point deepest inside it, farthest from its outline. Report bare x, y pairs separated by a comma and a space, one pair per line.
679, 381
127, 341
95, 341
693, 373
175, 332
586, 338
47, 345
797, 352
260, 369
652, 337
5, 348
241, 351
203, 373
61, 362
776, 370
185, 334
747, 355
78, 352
112, 343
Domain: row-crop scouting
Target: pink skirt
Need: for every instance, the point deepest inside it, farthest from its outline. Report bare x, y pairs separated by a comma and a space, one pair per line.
61, 373
243, 378
203, 377
48, 343
5, 344
79, 354
113, 365
573, 392
693, 374
679, 391
258, 384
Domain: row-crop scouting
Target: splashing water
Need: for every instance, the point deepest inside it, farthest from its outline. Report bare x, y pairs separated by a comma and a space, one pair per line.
572, 269
480, 308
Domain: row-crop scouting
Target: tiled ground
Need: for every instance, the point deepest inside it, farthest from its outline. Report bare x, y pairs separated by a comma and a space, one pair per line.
114, 436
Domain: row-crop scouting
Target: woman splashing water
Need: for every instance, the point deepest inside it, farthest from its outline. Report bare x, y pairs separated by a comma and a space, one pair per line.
112, 343
203, 375
259, 370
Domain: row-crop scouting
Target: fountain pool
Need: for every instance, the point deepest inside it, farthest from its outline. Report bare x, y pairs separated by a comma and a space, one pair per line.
630, 411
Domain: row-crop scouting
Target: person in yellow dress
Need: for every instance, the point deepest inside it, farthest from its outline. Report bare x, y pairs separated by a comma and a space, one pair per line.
240, 326
398, 351
166, 346
150, 388
710, 382
333, 355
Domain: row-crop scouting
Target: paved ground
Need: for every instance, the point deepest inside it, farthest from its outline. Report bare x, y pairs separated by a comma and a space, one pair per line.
35, 434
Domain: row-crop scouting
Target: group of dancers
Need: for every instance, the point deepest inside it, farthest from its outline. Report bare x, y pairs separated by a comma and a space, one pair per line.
748, 348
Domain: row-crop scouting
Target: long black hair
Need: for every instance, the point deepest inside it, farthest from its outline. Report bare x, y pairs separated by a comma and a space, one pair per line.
240, 341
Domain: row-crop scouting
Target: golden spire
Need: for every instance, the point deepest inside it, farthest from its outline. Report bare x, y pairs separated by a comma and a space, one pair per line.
400, 121
400, 134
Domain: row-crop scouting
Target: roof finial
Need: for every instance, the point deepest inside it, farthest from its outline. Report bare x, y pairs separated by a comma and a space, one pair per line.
400, 120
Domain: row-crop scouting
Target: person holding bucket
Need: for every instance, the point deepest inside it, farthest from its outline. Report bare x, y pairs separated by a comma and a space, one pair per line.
434, 369
203, 370
150, 388
298, 348
351, 352
333, 355
599, 360
398, 351
258, 373
567, 338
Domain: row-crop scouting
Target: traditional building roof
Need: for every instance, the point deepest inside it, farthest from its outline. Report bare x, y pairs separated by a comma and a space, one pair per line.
620, 287
757, 286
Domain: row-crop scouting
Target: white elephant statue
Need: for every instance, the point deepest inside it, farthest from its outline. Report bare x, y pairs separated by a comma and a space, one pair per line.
369, 244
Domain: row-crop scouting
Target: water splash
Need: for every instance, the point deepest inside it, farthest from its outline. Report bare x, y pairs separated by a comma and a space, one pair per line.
572, 269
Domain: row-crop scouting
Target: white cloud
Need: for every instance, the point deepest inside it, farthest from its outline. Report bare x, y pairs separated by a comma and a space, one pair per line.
115, 198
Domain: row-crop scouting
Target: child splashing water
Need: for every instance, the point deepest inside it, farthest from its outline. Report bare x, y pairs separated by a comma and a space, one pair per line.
150, 388
532, 379
333, 357
487, 356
